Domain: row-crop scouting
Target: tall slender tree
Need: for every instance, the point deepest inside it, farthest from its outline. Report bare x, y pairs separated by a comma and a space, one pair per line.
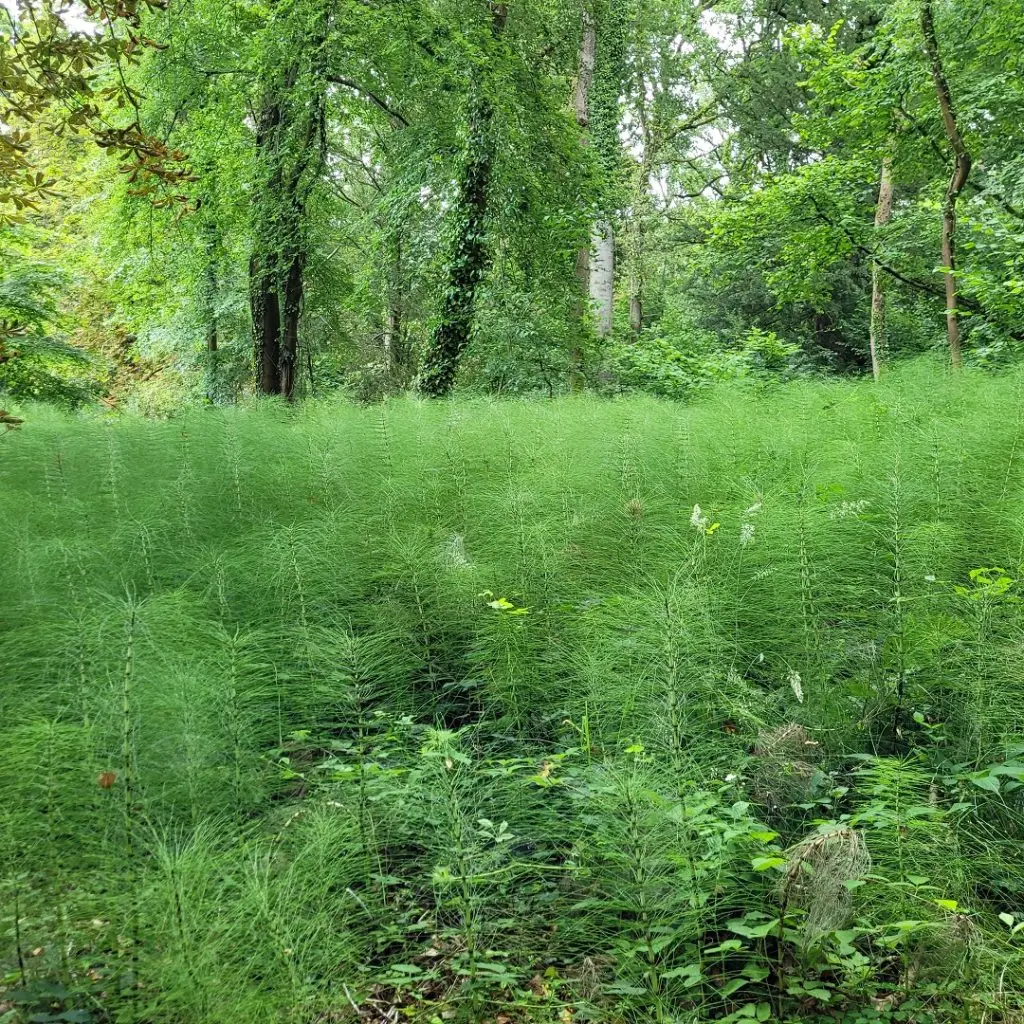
962, 163
883, 214
291, 155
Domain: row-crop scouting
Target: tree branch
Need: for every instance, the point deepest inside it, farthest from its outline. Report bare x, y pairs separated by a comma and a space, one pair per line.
922, 286
371, 96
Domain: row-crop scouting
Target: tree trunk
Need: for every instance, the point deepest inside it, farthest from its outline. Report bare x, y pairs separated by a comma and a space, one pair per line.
636, 303
957, 181
276, 311
276, 294
595, 264
641, 205
293, 294
636, 254
606, 90
278, 261
585, 77
266, 321
392, 338
470, 259
291, 150
211, 300
396, 358
581, 109
602, 277
883, 212
263, 273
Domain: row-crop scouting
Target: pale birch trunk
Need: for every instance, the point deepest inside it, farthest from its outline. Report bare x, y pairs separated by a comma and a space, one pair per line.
883, 212
602, 277
581, 109
595, 264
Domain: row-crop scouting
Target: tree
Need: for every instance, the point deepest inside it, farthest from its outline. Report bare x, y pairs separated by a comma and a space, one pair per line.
469, 258
883, 213
957, 182
290, 158
49, 79
604, 122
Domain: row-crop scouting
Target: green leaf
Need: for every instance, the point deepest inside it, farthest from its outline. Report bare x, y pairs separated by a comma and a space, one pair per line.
755, 931
766, 863
728, 946
733, 986
990, 783
690, 974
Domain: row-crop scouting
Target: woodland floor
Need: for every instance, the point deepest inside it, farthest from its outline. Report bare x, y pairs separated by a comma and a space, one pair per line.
581, 710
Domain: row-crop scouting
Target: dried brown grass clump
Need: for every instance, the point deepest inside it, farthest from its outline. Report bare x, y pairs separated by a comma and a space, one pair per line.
817, 872
783, 767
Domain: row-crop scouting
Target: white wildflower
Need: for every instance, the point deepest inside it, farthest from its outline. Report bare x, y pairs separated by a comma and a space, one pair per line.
796, 684
929, 578
698, 520
731, 777
746, 534
849, 509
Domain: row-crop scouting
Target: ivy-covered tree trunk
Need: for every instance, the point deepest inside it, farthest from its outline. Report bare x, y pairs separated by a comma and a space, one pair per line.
293, 295
469, 259
636, 282
266, 321
396, 358
210, 300
393, 301
394, 350
640, 203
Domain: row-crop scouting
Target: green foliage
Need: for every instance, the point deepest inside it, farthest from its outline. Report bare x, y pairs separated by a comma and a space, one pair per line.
611, 710
35, 363
677, 367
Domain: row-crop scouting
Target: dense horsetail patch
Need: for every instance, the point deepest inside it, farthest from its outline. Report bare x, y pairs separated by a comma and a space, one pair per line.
571, 710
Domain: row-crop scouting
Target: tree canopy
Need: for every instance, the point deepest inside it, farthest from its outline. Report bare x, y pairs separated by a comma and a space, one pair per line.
303, 195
